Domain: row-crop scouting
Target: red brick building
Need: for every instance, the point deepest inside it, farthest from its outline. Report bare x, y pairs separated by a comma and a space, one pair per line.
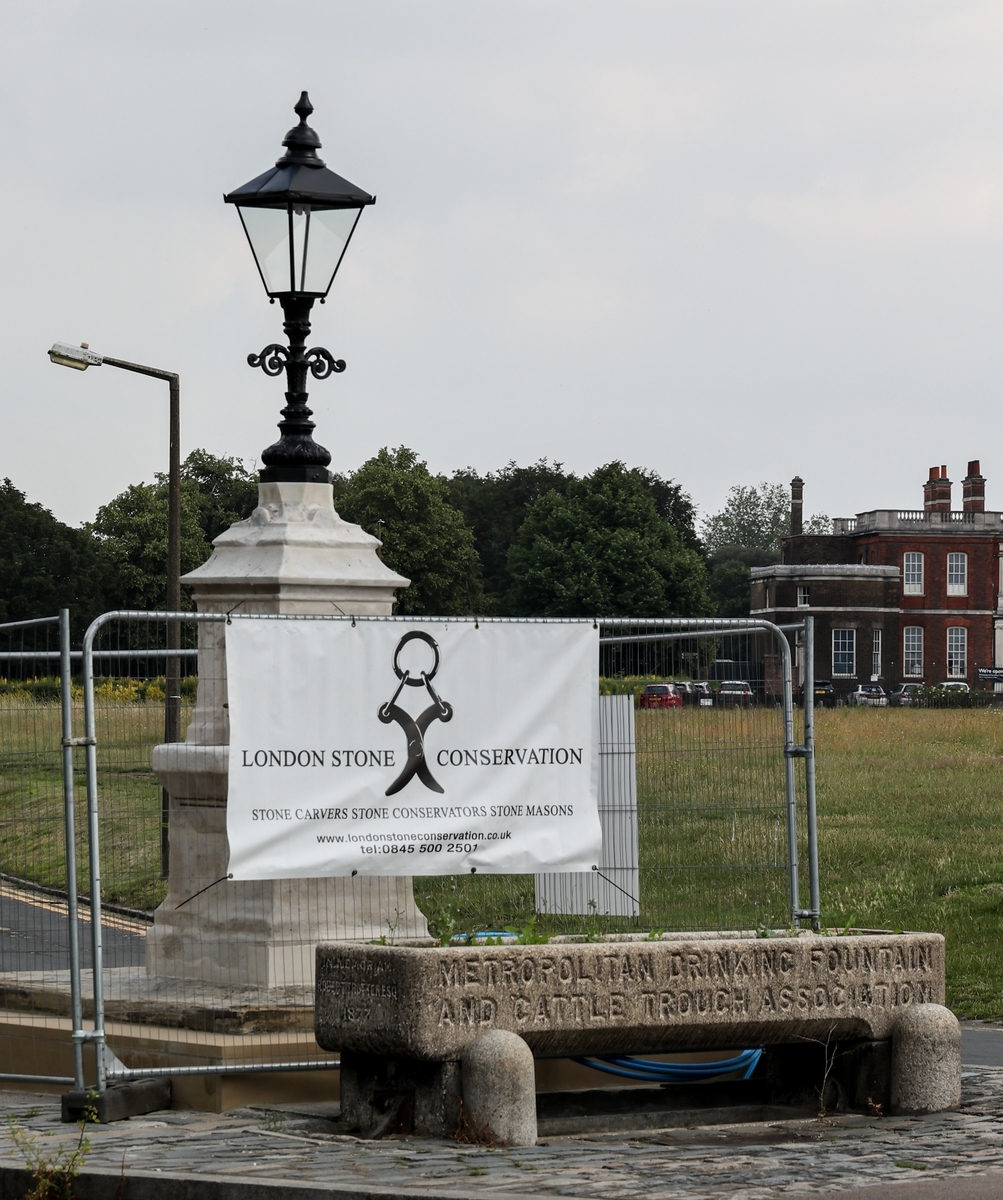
933, 613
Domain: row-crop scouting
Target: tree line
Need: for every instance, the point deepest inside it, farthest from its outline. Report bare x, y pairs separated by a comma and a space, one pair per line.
520, 541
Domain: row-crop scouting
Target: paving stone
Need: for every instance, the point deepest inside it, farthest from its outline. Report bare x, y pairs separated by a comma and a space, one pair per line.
746, 1162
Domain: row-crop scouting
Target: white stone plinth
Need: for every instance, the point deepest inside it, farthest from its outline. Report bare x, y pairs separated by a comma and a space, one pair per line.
294, 555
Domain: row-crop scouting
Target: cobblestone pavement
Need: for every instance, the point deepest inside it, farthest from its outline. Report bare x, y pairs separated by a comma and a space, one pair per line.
743, 1162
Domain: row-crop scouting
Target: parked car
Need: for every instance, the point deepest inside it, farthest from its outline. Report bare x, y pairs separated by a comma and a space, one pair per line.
660, 695
870, 694
825, 694
903, 695
954, 685
735, 692
694, 692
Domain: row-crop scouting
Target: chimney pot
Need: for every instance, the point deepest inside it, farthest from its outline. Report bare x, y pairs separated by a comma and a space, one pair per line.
937, 492
974, 489
797, 506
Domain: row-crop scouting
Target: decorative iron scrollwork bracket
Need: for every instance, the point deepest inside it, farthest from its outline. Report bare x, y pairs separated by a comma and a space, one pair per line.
323, 363
274, 359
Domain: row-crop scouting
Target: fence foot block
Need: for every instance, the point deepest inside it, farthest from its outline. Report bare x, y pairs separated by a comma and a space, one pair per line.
118, 1102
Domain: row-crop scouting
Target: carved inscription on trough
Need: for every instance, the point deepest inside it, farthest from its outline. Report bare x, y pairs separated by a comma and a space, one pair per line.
574, 998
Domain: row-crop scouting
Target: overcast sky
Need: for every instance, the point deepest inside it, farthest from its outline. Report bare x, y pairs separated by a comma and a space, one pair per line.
729, 240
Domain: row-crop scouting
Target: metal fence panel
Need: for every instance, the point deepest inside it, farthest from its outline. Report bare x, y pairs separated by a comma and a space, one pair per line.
700, 820
612, 890
39, 926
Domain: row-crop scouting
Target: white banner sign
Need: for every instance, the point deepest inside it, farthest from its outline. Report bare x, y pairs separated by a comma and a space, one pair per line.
400, 748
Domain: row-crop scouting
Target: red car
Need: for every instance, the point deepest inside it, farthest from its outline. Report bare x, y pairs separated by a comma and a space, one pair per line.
660, 695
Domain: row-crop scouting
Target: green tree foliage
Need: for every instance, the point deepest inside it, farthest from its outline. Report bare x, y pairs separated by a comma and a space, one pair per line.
602, 548
730, 579
394, 497
227, 492
675, 505
494, 506
132, 531
756, 518
132, 528
46, 565
746, 533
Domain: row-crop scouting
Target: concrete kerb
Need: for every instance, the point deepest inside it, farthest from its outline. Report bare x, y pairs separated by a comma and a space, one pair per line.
15, 1182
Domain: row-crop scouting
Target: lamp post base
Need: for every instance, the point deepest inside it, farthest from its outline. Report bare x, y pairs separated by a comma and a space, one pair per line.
293, 555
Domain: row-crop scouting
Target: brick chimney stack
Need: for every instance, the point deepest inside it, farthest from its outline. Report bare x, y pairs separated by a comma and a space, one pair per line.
974, 489
797, 505
937, 492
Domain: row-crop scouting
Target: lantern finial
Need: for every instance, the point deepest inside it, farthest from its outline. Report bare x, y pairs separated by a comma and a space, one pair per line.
301, 142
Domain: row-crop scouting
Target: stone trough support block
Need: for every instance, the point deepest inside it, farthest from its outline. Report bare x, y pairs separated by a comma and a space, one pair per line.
499, 1090
926, 1061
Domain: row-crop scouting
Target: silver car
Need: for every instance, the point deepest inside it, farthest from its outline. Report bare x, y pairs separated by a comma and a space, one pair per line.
870, 694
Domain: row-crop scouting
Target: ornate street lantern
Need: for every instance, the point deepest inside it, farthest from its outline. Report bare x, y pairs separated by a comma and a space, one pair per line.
299, 218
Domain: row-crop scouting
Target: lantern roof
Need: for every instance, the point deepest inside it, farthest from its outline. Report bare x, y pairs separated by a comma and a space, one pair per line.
300, 176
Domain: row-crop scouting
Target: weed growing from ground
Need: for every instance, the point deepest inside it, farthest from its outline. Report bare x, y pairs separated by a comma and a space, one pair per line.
54, 1170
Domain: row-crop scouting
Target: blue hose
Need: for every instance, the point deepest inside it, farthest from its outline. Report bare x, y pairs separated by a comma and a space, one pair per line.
663, 1072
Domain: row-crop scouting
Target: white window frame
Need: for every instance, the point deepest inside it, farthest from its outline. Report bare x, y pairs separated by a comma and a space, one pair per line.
957, 657
957, 574
846, 639
804, 595
913, 573
912, 658
876, 653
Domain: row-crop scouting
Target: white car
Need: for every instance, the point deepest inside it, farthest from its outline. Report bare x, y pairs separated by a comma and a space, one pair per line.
954, 685
870, 694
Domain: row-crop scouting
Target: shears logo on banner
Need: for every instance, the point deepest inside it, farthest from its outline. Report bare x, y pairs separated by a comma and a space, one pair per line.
415, 727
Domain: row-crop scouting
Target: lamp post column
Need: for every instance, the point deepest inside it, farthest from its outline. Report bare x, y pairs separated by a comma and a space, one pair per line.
172, 709
172, 671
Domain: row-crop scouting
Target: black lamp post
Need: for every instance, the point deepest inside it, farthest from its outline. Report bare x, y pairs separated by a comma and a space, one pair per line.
299, 218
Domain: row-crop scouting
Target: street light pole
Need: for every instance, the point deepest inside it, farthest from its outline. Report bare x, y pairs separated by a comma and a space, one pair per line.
80, 358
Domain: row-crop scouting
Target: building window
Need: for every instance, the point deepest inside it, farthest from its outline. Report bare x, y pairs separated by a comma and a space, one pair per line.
803, 596
912, 656
912, 573
957, 652
876, 653
957, 574
844, 652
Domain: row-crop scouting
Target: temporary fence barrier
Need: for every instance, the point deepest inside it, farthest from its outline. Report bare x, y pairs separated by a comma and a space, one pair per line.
702, 803
39, 923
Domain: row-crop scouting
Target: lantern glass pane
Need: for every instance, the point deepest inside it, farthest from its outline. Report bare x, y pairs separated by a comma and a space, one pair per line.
268, 232
329, 232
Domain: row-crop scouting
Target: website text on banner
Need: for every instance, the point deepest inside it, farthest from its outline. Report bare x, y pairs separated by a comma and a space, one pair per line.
411, 748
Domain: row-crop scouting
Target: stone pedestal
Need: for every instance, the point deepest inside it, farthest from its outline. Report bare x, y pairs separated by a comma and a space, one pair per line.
293, 555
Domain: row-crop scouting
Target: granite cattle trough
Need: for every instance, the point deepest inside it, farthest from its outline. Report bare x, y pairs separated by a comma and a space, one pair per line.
404, 1016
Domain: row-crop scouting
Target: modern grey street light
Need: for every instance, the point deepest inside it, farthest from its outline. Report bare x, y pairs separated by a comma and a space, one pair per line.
80, 358
299, 218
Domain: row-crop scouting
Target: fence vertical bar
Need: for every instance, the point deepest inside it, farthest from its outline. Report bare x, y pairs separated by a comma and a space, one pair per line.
790, 775
69, 821
809, 767
94, 852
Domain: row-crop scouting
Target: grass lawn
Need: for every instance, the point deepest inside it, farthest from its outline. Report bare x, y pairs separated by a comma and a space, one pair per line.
910, 826
911, 834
